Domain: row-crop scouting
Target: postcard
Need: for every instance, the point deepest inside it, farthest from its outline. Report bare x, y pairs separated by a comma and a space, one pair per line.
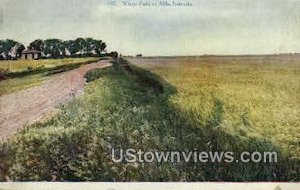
149, 94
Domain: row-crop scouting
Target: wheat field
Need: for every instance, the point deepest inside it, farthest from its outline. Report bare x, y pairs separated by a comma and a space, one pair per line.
260, 95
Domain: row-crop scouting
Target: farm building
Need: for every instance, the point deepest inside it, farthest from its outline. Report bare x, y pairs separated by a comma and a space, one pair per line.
31, 54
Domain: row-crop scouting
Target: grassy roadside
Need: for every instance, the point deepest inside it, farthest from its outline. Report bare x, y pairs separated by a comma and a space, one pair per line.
31, 73
129, 107
16, 84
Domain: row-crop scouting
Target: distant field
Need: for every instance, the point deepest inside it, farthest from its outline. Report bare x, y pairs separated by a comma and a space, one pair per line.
259, 96
23, 65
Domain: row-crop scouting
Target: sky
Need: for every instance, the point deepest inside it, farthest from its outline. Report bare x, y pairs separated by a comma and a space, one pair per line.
206, 27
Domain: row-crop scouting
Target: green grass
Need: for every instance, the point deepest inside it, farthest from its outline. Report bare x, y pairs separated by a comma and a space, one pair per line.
126, 107
17, 84
28, 73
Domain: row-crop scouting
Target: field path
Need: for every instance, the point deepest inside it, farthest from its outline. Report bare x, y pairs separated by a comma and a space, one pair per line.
30, 105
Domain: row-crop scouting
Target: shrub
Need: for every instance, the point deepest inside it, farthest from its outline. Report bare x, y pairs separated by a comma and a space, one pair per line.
3, 74
93, 75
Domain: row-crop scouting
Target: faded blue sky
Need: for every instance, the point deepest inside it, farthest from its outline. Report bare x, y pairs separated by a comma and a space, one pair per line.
208, 27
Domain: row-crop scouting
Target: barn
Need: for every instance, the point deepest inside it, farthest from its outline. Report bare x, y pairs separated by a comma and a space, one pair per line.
31, 54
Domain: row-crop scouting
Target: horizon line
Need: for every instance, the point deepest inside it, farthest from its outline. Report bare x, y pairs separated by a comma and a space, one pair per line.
216, 55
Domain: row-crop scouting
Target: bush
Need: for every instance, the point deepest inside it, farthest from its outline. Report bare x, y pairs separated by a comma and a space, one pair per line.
3, 74
93, 75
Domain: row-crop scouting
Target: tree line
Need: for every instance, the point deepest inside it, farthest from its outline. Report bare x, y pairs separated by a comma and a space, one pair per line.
10, 49
54, 48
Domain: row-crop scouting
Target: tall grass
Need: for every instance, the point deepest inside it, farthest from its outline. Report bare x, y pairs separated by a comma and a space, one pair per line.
123, 108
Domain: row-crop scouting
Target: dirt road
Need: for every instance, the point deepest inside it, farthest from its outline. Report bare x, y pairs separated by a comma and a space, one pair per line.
30, 105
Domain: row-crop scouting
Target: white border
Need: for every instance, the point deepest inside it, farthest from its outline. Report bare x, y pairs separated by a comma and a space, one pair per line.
145, 186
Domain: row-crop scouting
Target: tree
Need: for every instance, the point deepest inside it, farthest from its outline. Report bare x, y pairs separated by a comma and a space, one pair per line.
90, 44
37, 44
80, 45
114, 54
103, 46
10, 48
20, 48
84, 46
57, 48
70, 46
53, 48
99, 46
